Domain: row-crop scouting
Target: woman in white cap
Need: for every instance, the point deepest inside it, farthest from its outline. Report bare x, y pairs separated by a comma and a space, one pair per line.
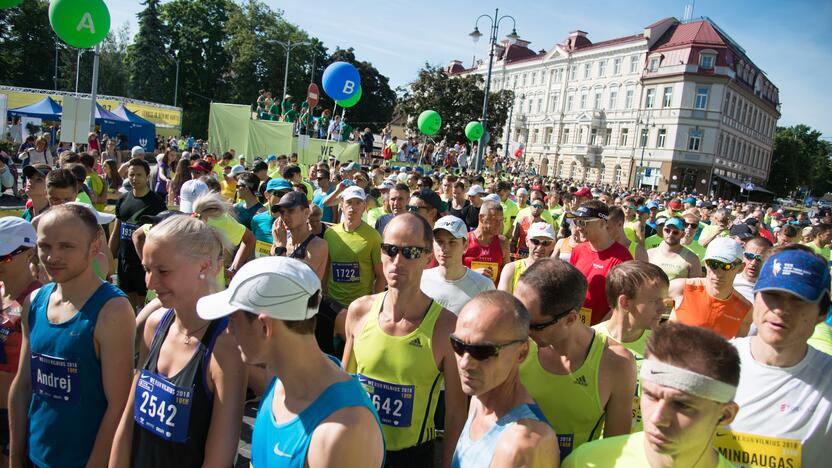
540, 241
185, 405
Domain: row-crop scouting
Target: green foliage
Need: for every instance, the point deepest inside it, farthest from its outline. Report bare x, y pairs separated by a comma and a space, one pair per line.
800, 159
147, 56
458, 100
27, 45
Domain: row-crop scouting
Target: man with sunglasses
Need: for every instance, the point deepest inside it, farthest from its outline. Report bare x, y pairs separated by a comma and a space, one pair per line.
692, 225
540, 244
785, 390
263, 222
583, 382
505, 426
712, 302
595, 257
754, 254
487, 249
397, 344
534, 213
325, 188
427, 204
671, 256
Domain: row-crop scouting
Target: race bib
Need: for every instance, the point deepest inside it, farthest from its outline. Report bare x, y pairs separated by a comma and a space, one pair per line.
262, 249
393, 402
345, 272
126, 231
565, 444
751, 450
161, 407
493, 265
586, 315
55, 378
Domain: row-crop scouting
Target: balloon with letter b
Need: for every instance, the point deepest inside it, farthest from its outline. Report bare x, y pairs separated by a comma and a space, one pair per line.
341, 81
351, 101
80, 23
429, 122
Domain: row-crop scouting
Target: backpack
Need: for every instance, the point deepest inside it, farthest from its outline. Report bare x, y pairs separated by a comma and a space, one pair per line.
387, 153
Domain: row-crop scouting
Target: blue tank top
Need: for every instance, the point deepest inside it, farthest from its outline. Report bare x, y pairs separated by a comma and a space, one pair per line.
67, 392
477, 454
285, 445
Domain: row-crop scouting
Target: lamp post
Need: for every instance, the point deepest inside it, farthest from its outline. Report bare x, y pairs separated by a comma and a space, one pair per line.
645, 126
475, 36
176, 83
288, 45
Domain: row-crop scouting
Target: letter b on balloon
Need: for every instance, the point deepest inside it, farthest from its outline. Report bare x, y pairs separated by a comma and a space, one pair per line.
80, 23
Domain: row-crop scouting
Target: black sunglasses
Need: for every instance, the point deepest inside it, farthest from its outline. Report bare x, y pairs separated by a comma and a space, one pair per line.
10, 256
480, 352
692, 225
408, 252
415, 208
544, 325
543, 242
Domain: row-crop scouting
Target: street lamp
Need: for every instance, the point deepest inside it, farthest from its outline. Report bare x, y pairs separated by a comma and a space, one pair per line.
475, 36
176, 83
645, 126
288, 45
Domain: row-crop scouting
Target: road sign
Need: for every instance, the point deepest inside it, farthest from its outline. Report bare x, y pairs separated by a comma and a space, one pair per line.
312, 95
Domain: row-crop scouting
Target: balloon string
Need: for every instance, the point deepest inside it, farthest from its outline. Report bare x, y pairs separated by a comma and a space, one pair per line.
328, 133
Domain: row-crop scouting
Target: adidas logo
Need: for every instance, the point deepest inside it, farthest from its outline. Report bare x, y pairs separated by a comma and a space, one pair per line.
418, 343
581, 381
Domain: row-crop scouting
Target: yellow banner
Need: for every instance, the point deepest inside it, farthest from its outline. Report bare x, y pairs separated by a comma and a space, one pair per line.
751, 450
169, 116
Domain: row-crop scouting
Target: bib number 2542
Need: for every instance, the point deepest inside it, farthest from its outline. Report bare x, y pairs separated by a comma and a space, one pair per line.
161, 407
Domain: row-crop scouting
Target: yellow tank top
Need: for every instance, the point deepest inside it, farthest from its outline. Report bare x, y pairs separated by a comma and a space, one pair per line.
519, 269
400, 376
570, 402
674, 265
637, 348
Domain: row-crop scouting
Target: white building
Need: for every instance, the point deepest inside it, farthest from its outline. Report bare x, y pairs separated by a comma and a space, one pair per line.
682, 97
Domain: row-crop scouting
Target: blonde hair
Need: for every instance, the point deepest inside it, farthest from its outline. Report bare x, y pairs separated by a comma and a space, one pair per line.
193, 238
210, 205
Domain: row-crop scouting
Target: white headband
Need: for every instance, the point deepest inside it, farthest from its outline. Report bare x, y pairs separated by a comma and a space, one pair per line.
687, 381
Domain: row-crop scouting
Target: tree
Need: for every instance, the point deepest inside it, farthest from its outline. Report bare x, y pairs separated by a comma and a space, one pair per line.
458, 100
27, 45
375, 108
112, 76
148, 56
800, 159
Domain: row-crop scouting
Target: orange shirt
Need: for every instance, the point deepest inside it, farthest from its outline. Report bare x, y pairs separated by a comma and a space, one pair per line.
700, 309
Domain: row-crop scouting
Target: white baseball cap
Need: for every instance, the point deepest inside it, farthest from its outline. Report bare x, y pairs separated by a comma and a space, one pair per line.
102, 218
16, 233
492, 197
279, 287
452, 224
237, 170
541, 230
724, 249
522, 191
191, 190
387, 185
475, 189
136, 150
353, 191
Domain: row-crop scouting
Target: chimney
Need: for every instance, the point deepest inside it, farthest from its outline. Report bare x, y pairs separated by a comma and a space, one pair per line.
572, 41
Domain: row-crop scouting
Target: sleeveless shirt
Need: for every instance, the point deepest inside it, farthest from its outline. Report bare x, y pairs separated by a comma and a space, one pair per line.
400, 376
67, 391
519, 269
674, 265
637, 348
479, 256
174, 432
571, 402
700, 309
479, 453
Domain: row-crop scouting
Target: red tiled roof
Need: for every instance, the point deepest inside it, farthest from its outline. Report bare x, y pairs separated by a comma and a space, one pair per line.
698, 32
514, 53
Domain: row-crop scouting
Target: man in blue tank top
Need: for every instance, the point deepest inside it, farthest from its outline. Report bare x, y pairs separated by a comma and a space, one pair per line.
505, 427
315, 414
76, 354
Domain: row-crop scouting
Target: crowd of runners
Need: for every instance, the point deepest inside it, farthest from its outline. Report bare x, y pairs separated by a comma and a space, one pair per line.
406, 317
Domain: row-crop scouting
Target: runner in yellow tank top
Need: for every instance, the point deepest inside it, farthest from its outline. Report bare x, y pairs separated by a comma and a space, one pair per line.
636, 292
671, 256
397, 342
540, 241
583, 383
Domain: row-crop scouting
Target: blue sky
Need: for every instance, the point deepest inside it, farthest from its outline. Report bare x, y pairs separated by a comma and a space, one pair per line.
790, 40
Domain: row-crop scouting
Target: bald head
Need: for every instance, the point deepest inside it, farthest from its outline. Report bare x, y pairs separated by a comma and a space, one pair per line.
411, 222
496, 315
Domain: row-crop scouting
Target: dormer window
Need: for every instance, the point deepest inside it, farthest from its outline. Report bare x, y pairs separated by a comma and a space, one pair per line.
706, 61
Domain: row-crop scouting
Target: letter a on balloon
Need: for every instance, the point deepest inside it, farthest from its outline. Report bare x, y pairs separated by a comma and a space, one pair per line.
86, 23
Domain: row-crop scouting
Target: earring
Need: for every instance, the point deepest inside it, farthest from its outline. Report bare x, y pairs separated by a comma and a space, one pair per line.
202, 276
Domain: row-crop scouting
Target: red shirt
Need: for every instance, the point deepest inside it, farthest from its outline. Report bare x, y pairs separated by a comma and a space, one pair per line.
595, 266
10, 331
479, 256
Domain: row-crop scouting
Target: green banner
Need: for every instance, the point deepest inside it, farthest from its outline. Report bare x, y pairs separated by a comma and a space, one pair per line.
228, 128
266, 137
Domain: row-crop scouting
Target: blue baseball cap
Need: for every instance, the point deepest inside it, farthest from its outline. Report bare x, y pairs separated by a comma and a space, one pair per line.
278, 184
675, 222
690, 200
271, 158
651, 205
643, 209
796, 272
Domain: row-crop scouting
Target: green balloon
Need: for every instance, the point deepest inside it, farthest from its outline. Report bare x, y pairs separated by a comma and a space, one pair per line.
429, 122
9, 3
80, 23
474, 130
352, 100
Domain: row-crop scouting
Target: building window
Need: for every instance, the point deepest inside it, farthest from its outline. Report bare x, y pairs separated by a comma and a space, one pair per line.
654, 64
547, 135
706, 61
633, 64
607, 137
593, 136
616, 66
727, 104
701, 101
613, 98
597, 103
534, 77
695, 140
650, 99
534, 136
583, 100
523, 80
661, 138
628, 99
622, 138
555, 98
645, 133
602, 68
733, 113
580, 139
570, 99
564, 136
587, 70
668, 96
572, 72
539, 105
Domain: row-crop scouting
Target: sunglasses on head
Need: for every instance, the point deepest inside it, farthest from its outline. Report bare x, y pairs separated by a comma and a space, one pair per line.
543, 242
752, 256
717, 265
480, 352
408, 252
14, 253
